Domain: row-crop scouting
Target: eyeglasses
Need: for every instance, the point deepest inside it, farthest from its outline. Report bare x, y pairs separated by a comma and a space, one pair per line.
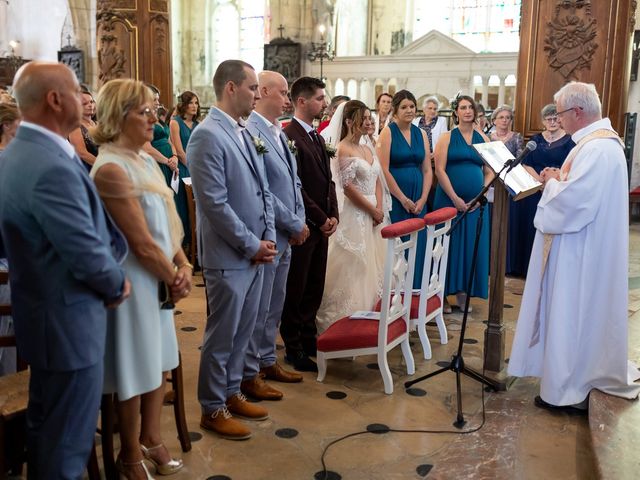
150, 112
504, 117
567, 110
147, 112
551, 119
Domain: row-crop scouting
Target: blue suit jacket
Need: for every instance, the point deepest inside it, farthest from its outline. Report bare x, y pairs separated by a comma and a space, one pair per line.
284, 184
61, 254
234, 205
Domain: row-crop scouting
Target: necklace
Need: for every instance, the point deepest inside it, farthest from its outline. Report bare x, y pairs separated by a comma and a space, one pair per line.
552, 138
500, 135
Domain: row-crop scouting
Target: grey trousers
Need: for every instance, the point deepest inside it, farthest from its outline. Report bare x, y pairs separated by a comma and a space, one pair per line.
234, 297
262, 346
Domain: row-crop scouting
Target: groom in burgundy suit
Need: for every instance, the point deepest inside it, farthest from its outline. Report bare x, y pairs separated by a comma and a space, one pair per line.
305, 284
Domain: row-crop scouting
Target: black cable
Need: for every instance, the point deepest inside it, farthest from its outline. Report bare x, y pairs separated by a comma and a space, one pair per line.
325, 472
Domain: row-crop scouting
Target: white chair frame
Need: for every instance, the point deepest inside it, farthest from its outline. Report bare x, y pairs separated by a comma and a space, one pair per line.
397, 271
434, 275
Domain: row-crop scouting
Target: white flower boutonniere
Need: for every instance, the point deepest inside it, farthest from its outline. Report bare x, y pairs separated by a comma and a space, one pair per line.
331, 151
291, 145
260, 146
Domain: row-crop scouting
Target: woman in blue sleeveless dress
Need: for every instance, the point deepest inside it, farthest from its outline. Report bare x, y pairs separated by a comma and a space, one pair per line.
403, 150
553, 147
461, 175
182, 124
141, 344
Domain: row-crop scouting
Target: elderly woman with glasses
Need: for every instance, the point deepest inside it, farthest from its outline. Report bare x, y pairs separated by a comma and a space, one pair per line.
141, 344
553, 147
502, 119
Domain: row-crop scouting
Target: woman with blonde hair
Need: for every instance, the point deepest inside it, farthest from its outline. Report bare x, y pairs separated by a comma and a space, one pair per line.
141, 340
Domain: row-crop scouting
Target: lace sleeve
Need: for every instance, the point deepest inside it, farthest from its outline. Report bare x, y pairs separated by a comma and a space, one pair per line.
347, 167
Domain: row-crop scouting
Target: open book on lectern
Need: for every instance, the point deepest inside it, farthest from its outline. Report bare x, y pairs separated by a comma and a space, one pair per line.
518, 181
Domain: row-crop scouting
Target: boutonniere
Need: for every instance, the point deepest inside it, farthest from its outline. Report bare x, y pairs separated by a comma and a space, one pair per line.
291, 145
331, 151
261, 148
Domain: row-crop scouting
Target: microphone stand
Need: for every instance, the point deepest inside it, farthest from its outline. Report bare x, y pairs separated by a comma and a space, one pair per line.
457, 364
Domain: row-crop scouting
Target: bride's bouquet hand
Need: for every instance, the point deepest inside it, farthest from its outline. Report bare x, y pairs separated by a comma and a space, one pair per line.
378, 216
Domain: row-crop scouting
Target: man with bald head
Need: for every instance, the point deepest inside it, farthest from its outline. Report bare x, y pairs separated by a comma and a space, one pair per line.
62, 269
284, 184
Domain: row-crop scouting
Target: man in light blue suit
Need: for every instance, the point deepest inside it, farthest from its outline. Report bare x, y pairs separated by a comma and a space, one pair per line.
62, 271
235, 227
284, 184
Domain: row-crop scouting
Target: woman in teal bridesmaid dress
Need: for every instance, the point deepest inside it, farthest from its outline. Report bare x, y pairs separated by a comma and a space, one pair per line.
405, 157
182, 124
162, 143
461, 175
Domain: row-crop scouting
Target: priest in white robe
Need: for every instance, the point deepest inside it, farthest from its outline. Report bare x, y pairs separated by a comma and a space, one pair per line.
572, 327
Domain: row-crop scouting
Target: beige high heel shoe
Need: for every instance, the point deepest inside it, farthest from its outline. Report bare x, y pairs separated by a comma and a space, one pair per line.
126, 467
169, 468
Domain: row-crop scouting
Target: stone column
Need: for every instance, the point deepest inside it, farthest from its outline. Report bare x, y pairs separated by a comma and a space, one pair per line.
501, 91
485, 91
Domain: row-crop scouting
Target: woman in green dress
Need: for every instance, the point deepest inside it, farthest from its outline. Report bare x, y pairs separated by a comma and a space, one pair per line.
162, 144
181, 126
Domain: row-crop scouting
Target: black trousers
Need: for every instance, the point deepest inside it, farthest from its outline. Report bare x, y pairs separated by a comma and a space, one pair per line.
305, 286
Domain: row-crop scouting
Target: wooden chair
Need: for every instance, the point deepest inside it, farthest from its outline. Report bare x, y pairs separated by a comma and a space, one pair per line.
14, 397
388, 328
191, 209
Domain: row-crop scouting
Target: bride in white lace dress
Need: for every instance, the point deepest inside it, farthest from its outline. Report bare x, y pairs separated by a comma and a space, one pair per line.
356, 251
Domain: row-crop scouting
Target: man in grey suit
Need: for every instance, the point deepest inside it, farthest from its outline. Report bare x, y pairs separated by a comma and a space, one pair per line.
284, 184
235, 225
62, 271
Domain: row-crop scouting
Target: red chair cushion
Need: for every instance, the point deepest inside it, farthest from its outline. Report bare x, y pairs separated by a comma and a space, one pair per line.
440, 216
405, 227
432, 305
349, 333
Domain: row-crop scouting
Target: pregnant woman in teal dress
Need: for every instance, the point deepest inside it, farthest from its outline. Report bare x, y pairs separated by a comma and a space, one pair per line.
461, 175
182, 124
403, 150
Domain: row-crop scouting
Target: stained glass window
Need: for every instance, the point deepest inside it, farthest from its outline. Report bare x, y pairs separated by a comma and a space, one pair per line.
481, 25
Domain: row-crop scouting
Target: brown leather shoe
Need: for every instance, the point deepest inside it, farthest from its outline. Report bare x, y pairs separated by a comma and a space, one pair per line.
279, 374
259, 389
222, 423
239, 406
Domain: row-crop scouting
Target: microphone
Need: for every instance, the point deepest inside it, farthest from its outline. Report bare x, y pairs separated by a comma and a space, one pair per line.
528, 148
